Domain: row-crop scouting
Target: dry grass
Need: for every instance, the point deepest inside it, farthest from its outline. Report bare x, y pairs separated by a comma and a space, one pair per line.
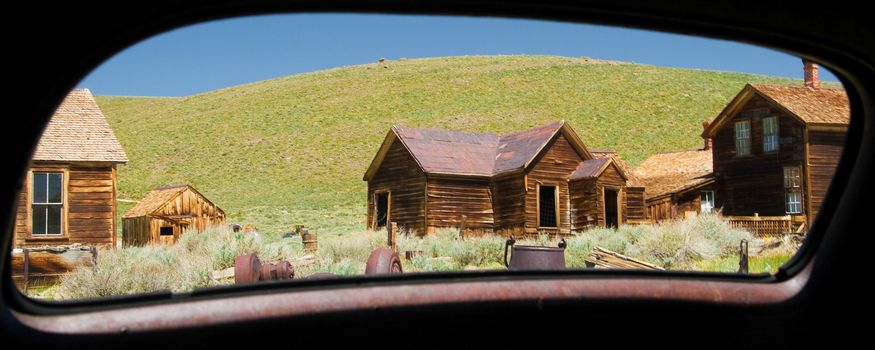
705, 242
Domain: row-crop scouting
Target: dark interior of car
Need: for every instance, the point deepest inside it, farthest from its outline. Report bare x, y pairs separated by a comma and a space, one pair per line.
810, 301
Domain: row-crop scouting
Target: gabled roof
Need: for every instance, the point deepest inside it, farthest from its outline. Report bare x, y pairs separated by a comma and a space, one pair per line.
78, 131
674, 172
820, 107
475, 154
156, 199
593, 168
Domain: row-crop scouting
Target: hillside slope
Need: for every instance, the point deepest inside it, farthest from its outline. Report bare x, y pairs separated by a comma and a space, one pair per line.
294, 149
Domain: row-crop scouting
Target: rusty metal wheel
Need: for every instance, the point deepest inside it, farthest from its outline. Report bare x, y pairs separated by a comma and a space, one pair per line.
247, 269
284, 270
383, 261
268, 272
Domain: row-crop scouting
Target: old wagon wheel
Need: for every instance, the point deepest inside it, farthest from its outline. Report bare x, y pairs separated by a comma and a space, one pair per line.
247, 269
383, 261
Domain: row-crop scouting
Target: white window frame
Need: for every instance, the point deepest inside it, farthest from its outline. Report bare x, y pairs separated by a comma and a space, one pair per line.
742, 138
33, 203
706, 205
770, 134
793, 202
792, 177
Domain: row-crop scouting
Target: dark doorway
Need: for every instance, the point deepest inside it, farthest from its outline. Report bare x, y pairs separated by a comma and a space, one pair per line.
612, 218
382, 201
547, 206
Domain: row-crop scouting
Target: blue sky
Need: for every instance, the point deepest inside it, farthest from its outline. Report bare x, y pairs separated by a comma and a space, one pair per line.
231, 52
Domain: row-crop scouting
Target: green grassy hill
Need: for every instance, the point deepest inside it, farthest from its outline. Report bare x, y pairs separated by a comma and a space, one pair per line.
294, 149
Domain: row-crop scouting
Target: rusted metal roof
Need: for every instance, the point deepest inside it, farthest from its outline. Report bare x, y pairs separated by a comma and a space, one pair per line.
590, 168
78, 132
821, 107
517, 149
673, 172
474, 154
450, 152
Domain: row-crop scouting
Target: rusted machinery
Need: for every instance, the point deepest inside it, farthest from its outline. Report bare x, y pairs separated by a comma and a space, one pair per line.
526, 257
250, 269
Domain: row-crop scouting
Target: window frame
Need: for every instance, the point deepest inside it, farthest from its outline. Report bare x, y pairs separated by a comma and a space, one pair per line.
793, 186
65, 177
776, 135
556, 209
748, 137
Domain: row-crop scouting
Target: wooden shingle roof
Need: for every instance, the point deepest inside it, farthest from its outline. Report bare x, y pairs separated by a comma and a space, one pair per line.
474, 154
817, 107
78, 131
674, 172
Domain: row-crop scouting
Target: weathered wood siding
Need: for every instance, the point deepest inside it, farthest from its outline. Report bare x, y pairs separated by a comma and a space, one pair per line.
825, 148
508, 203
136, 231
449, 199
635, 207
400, 174
755, 183
661, 209
584, 204
553, 168
198, 212
89, 208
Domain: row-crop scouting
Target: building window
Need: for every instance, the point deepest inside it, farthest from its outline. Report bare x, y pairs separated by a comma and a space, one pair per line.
547, 206
793, 190
770, 134
707, 199
792, 177
742, 138
794, 202
166, 231
48, 204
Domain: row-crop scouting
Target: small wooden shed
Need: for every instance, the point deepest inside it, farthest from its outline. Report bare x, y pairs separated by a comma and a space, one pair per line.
165, 213
679, 184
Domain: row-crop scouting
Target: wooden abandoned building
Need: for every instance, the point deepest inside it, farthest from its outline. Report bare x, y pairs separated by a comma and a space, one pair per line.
539, 180
678, 184
776, 148
165, 213
69, 192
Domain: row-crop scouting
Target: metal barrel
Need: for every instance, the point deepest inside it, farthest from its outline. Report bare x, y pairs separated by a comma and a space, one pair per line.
309, 240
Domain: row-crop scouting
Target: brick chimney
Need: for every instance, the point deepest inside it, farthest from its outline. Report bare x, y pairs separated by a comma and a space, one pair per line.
708, 142
810, 69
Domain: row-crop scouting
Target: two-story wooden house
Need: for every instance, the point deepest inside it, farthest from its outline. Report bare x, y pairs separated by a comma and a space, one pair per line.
776, 147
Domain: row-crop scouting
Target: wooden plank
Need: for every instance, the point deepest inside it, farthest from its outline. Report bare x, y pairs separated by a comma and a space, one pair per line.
603, 258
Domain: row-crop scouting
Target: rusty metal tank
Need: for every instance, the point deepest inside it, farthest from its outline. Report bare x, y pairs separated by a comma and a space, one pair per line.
525, 257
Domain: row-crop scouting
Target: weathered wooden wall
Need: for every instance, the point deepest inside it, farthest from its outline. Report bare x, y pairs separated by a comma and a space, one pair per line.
199, 212
755, 183
136, 231
661, 209
90, 208
553, 168
400, 174
449, 199
635, 206
825, 148
584, 204
508, 203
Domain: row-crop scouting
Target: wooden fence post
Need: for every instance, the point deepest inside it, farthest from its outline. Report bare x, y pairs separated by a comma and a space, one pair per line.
26, 268
462, 226
392, 239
